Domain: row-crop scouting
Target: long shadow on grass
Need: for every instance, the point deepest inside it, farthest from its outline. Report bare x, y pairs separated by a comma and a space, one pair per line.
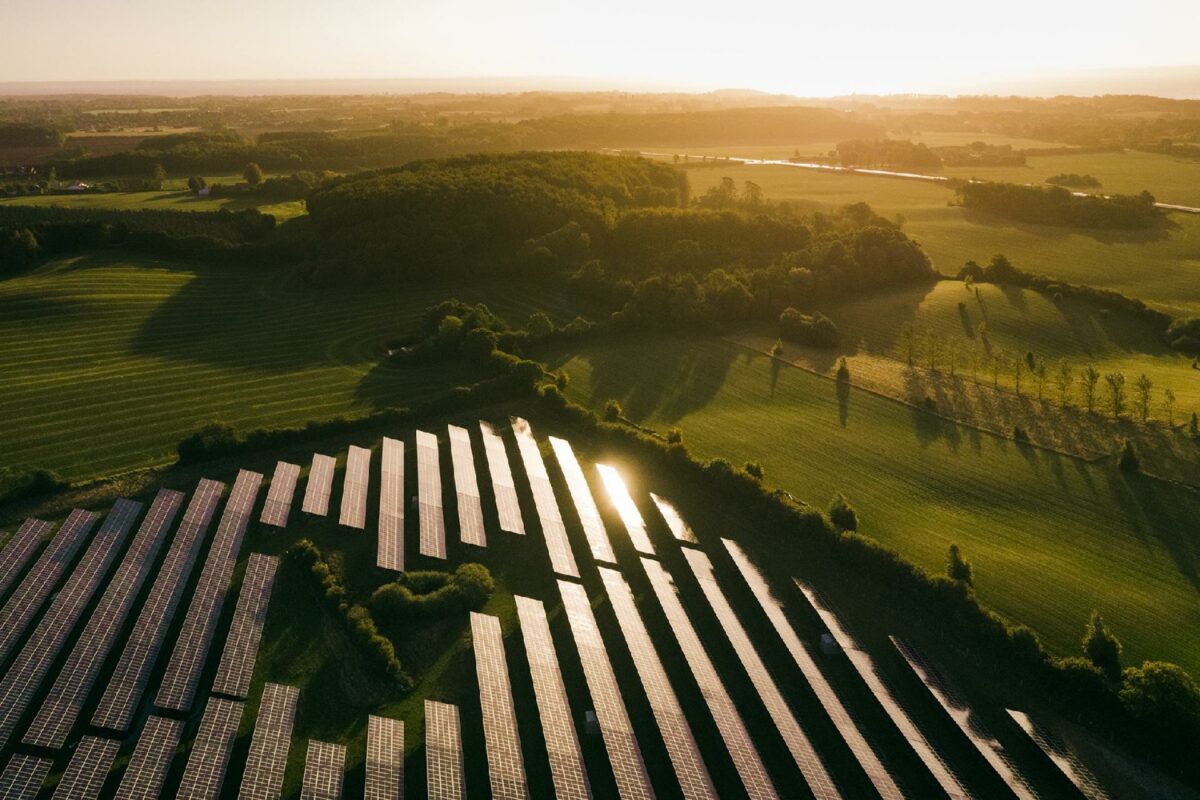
1169, 515
1054, 232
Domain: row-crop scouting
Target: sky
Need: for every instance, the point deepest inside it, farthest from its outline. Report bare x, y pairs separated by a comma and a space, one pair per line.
794, 47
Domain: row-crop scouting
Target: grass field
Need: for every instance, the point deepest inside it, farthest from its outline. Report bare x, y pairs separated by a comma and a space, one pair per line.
1051, 537
108, 362
166, 200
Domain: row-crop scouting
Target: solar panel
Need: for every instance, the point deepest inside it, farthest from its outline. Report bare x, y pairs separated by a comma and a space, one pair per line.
354, 488
734, 733
624, 754
967, 721
553, 530
132, 673
77, 677
390, 549
585, 504
618, 494
241, 646
23, 777
429, 497
1065, 758
385, 759
672, 724
324, 769
278, 505
466, 488
679, 529
37, 655
20, 609
206, 764
562, 745
443, 752
845, 723
19, 550
200, 625
151, 760
320, 485
503, 486
506, 769
864, 665
267, 758
88, 769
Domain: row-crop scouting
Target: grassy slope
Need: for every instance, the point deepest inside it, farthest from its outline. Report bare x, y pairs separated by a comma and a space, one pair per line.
108, 362
1051, 537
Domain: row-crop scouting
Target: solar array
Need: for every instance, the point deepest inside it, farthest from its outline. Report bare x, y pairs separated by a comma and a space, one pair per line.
729, 721
205, 770
1062, 755
585, 504
429, 496
618, 494
466, 488
443, 752
354, 488
23, 777
324, 769
967, 721
88, 769
37, 655
278, 505
506, 769
19, 549
503, 486
624, 754
672, 723
846, 725
75, 680
866, 669
132, 673
200, 625
241, 646
679, 528
20, 609
562, 745
320, 485
385, 759
151, 760
267, 759
390, 549
554, 531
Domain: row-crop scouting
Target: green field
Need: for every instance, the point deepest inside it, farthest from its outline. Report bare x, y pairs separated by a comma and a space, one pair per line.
1051, 537
165, 200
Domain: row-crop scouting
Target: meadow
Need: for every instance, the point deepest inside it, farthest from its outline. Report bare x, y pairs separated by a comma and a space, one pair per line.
173, 197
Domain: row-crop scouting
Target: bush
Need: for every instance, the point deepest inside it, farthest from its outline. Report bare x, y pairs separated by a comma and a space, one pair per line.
434, 594
613, 411
816, 329
755, 470
23, 485
958, 568
841, 514
1102, 648
1165, 697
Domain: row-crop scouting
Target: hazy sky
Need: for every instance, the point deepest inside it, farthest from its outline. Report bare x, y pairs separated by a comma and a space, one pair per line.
798, 47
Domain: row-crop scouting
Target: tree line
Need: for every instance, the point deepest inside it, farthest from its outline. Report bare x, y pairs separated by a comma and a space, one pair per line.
1055, 205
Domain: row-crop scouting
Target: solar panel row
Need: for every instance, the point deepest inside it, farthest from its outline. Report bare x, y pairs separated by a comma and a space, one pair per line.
679, 528
429, 497
562, 560
846, 725
354, 488
466, 488
23, 777
132, 673
385, 759
245, 633
506, 769
443, 752
88, 769
585, 504
64, 703
267, 758
567, 768
320, 485
151, 760
200, 625
390, 548
37, 655
206, 764
278, 505
672, 724
503, 486
624, 754
618, 495
20, 609
746, 760
324, 769
1066, 759
19, 550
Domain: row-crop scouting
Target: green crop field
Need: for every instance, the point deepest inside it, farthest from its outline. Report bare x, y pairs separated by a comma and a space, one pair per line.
1051, 537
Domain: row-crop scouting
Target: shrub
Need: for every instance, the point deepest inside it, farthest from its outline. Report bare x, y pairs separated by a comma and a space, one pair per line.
1102, 648
816, 329
841, 514
212, 441
755, 470
613, 411
434, 594
23, 485
1165, 697
958, 568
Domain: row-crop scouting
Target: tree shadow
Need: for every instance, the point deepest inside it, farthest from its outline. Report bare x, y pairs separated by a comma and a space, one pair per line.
1168, 514
391, 385
843, 399
1058, 232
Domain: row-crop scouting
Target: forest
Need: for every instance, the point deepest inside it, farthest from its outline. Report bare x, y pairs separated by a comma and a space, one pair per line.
1058, 206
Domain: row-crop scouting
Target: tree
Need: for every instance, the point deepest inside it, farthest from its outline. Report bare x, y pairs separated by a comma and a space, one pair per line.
933, 349
755, 470
1102, 648
1063, 380
843, 371
1039, 376
159, 174
777, 348
999, 358
1087, 384
841, 514
952, 355
1143, 387
613, 411
958, 568
752, 194
1194, 426
196, 183
1018, 368
976, 359
1163, 695
1169, 406
1128, 462
908, 342
539, 326
1116, 392
253, 174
